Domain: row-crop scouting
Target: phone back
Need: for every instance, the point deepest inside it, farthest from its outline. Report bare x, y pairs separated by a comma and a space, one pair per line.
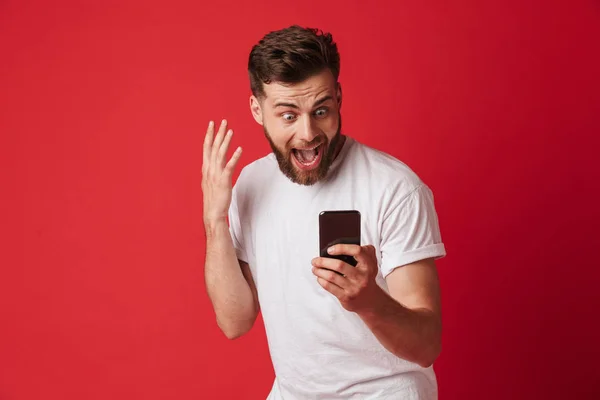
336, 227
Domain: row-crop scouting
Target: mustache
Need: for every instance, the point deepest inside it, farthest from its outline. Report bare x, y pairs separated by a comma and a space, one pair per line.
313, 143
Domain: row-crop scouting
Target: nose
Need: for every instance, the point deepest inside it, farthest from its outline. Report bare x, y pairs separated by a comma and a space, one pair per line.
307, 130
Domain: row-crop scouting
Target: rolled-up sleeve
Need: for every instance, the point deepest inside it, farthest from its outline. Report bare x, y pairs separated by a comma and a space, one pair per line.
410, 230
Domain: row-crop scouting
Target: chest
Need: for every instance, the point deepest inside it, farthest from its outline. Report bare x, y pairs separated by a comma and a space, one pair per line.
285, 225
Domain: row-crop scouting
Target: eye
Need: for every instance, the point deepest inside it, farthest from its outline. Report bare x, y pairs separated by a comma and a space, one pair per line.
321, 112
288, 117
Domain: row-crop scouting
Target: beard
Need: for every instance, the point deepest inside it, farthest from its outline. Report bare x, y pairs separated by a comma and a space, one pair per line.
307, 178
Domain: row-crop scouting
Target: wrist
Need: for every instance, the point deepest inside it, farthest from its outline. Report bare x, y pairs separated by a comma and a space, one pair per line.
378, 301
213, 224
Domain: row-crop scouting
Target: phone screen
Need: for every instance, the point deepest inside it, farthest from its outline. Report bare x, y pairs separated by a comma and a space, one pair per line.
339, 227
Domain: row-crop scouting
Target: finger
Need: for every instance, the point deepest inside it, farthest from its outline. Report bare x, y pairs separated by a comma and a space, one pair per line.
360, 254
345, 249
233, 162
334, 265
330, 276
217, 142
367, 256
223, 148
331, 287
208, 138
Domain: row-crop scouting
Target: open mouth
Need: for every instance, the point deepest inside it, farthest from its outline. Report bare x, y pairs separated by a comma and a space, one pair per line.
308, 158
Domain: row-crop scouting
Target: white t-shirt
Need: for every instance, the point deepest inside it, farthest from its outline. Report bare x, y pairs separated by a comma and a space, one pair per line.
320, 350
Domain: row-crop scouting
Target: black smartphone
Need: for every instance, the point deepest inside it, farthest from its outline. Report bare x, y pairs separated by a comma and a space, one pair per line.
340, 226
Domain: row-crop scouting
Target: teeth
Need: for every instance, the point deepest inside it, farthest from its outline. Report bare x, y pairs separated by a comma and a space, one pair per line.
306, 156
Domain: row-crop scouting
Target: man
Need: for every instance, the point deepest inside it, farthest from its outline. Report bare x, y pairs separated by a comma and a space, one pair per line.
367, 332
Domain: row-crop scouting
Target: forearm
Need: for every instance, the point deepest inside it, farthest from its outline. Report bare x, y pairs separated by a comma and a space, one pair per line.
414, 335
228, 290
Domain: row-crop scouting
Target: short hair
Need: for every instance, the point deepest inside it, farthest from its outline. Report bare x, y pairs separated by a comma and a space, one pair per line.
291, 55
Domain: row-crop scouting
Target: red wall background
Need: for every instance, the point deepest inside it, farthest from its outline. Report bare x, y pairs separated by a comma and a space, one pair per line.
102, 113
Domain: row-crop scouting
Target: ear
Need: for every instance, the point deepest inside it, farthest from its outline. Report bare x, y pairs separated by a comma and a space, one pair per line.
256, 109
339, 95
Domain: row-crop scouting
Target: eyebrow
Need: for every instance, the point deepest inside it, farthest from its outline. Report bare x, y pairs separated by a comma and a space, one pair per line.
292, 105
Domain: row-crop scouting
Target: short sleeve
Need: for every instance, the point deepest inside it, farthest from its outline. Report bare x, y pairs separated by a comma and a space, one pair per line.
235, 228
410, 231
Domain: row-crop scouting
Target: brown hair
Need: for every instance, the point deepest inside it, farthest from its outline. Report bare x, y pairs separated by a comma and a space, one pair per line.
291, 55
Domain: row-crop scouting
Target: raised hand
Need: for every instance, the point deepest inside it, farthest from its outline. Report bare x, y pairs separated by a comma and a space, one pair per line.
217, 172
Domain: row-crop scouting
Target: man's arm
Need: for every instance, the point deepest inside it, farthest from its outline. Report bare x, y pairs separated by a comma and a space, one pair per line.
408, 321
228, 282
